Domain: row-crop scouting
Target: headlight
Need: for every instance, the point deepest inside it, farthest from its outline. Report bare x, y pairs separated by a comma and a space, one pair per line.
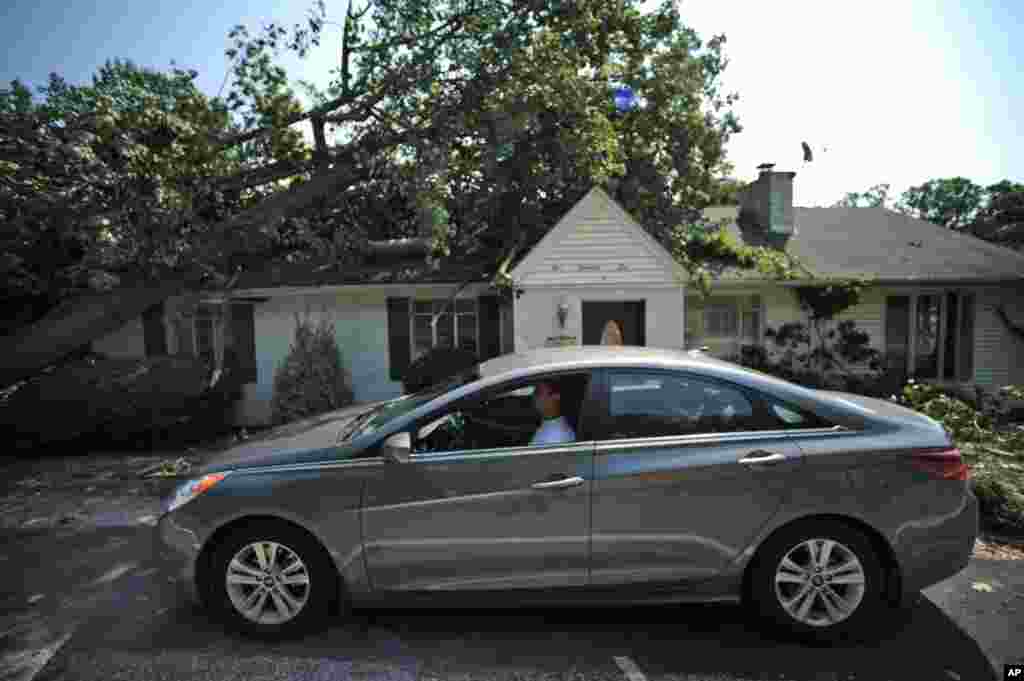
192, 489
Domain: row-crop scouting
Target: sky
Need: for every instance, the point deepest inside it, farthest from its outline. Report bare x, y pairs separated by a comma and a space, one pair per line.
883, 91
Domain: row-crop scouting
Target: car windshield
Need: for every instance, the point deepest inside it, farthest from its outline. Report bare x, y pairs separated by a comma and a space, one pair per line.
383, 413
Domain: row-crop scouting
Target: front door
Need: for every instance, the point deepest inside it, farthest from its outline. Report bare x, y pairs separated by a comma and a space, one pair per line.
607, 321
672, 501
464, 514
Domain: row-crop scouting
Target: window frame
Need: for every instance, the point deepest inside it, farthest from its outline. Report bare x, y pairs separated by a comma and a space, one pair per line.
413, 356
733, 306
588, 410
205, 311
942, 294
745, 306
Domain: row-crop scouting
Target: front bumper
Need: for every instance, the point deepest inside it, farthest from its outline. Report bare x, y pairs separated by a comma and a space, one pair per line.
176, 551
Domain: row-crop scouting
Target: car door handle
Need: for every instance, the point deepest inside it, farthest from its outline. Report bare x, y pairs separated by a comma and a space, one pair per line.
558, 484
762, 457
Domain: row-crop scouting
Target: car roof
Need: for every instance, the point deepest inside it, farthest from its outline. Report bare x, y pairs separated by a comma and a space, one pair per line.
588, 356
544, 360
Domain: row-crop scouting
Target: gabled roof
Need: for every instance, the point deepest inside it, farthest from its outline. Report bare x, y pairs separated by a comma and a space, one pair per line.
327, 273
595, 204
884, 245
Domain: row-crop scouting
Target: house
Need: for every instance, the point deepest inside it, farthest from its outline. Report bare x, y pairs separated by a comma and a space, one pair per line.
940, 307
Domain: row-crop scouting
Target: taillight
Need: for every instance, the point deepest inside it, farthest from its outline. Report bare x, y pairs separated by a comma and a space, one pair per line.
946, 464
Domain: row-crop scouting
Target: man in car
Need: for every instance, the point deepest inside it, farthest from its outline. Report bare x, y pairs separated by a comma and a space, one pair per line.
547, 398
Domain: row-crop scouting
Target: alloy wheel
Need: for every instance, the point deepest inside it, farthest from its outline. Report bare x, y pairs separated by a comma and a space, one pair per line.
267, 582
820, 582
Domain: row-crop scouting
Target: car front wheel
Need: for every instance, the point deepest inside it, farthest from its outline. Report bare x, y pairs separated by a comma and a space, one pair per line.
271, 580
820, 581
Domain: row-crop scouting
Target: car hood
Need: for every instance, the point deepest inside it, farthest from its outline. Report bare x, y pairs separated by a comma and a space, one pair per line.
306, 441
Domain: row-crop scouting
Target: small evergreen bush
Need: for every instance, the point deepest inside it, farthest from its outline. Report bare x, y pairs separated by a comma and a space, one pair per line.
312, 379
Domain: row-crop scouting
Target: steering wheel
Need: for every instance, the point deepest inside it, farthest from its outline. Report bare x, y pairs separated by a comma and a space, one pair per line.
445, 434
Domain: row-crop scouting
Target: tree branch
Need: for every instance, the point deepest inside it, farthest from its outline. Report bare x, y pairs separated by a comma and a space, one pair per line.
346, 171
357, 114
1017, 331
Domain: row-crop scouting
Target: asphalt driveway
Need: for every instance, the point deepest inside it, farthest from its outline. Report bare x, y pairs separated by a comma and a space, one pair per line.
80, 600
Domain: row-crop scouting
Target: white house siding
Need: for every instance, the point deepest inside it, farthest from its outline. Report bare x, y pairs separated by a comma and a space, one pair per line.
360, 326
597, 243
868, 315
779, 306
536, 317
998, 353
600, 251
597, 252
128, 342
359, 317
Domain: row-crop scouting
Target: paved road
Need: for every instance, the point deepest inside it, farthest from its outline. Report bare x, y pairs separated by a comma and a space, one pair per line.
86, 605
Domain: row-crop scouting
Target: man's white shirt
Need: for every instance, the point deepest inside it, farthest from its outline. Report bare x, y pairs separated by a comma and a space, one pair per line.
553, 431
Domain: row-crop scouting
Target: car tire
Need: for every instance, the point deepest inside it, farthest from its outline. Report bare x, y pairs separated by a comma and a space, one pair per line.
840, 600
290, 597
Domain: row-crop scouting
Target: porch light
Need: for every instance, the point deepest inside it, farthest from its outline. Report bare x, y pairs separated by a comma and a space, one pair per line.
563, 313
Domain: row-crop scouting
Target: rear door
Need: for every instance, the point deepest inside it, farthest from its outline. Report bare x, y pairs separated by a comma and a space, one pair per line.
684, 476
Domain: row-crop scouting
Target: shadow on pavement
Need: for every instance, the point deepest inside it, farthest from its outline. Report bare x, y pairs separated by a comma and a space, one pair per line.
923, 643
55, 563
662, 640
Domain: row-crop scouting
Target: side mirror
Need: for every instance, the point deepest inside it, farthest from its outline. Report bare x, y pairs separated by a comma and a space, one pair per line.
396, 449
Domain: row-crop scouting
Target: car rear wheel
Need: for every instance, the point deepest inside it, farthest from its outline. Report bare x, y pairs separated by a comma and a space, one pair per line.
820, 581
271, 580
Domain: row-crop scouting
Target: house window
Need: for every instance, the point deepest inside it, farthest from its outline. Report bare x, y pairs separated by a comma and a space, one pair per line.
457, 327
965, 337
205, 330
926, 320
897, 333
724, 323
931, 335
507, 330
721, 319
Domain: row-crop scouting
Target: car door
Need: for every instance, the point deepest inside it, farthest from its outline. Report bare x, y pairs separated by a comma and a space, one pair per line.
479, 517
684, 477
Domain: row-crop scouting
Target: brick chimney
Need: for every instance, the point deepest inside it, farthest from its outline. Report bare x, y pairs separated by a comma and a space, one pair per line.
767, 202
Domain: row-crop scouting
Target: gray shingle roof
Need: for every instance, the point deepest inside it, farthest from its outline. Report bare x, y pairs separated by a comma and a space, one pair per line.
325, 274
886, 245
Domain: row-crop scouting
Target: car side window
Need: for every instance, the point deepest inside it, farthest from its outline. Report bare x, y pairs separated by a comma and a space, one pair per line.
657, 405
502, 418
787, 416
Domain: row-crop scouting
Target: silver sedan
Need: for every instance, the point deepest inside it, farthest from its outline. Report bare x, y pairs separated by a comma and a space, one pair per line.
685, 479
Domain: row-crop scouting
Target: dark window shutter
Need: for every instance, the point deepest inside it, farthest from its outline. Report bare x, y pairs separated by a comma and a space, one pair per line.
243, 341
399, 341
490, 327
154, 333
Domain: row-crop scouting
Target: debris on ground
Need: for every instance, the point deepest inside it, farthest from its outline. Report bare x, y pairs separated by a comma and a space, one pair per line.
990, 548
168, 468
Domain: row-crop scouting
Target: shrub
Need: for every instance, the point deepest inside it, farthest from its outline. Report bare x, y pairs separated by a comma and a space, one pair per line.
873, 383
436, 366
116, 402
996, 456
820, 356
312, 379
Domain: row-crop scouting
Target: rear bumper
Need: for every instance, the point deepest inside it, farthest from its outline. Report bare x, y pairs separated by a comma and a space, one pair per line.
933, 551
176, 552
